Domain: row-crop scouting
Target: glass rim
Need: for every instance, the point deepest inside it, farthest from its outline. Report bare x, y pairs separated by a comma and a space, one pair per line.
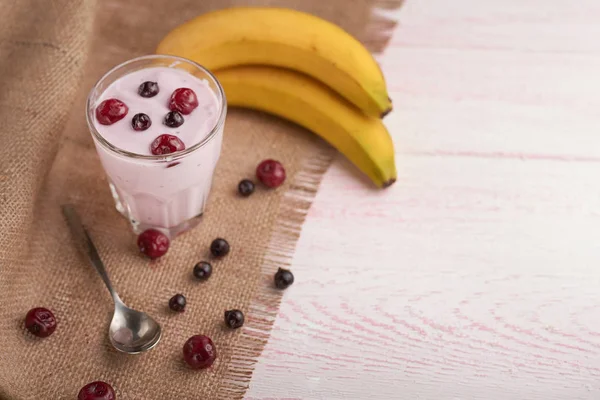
165, 157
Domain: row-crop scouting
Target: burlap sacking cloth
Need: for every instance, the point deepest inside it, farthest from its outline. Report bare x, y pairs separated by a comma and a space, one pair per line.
51, 53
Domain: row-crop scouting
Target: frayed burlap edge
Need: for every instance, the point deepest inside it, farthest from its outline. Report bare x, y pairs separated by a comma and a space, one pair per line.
265, 305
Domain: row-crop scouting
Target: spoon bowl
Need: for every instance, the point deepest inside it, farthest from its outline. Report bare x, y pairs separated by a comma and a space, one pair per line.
133, 331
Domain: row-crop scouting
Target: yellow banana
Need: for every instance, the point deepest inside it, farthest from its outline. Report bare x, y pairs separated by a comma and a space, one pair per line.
284, 38
363, 140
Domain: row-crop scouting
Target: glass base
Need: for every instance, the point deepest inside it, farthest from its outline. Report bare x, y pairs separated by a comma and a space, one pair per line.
172, 231
139, 227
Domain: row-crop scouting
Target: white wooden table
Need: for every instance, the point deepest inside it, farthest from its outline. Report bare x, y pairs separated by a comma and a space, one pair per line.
477, 276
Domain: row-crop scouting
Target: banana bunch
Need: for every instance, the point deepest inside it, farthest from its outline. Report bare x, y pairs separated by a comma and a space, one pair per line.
299, 67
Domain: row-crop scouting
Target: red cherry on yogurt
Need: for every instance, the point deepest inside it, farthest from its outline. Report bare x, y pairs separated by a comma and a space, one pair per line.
111, 111
183, 100
166, 144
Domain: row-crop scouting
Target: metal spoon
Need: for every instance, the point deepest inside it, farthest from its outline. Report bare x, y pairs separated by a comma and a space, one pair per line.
130, 331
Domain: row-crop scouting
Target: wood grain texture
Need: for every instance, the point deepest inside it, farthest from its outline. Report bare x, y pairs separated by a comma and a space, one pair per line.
477, 275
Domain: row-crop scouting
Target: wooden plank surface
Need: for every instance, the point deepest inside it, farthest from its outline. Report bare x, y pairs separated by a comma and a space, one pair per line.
477, 275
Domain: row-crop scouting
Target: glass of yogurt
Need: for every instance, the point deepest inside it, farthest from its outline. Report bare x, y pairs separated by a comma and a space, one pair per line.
157, 123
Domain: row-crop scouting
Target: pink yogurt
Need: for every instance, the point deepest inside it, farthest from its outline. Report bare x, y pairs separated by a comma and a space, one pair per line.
165, 192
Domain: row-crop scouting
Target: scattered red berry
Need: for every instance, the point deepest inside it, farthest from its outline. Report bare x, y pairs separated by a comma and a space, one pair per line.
199, 352
271, 173
40, 322
166, 144
111, 111
97, 391
153, 243
183, 100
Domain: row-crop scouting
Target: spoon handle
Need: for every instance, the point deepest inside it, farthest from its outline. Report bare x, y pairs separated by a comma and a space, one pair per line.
86, 245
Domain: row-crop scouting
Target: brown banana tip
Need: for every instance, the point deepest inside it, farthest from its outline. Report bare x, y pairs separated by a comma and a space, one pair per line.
388, 183
386, 112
